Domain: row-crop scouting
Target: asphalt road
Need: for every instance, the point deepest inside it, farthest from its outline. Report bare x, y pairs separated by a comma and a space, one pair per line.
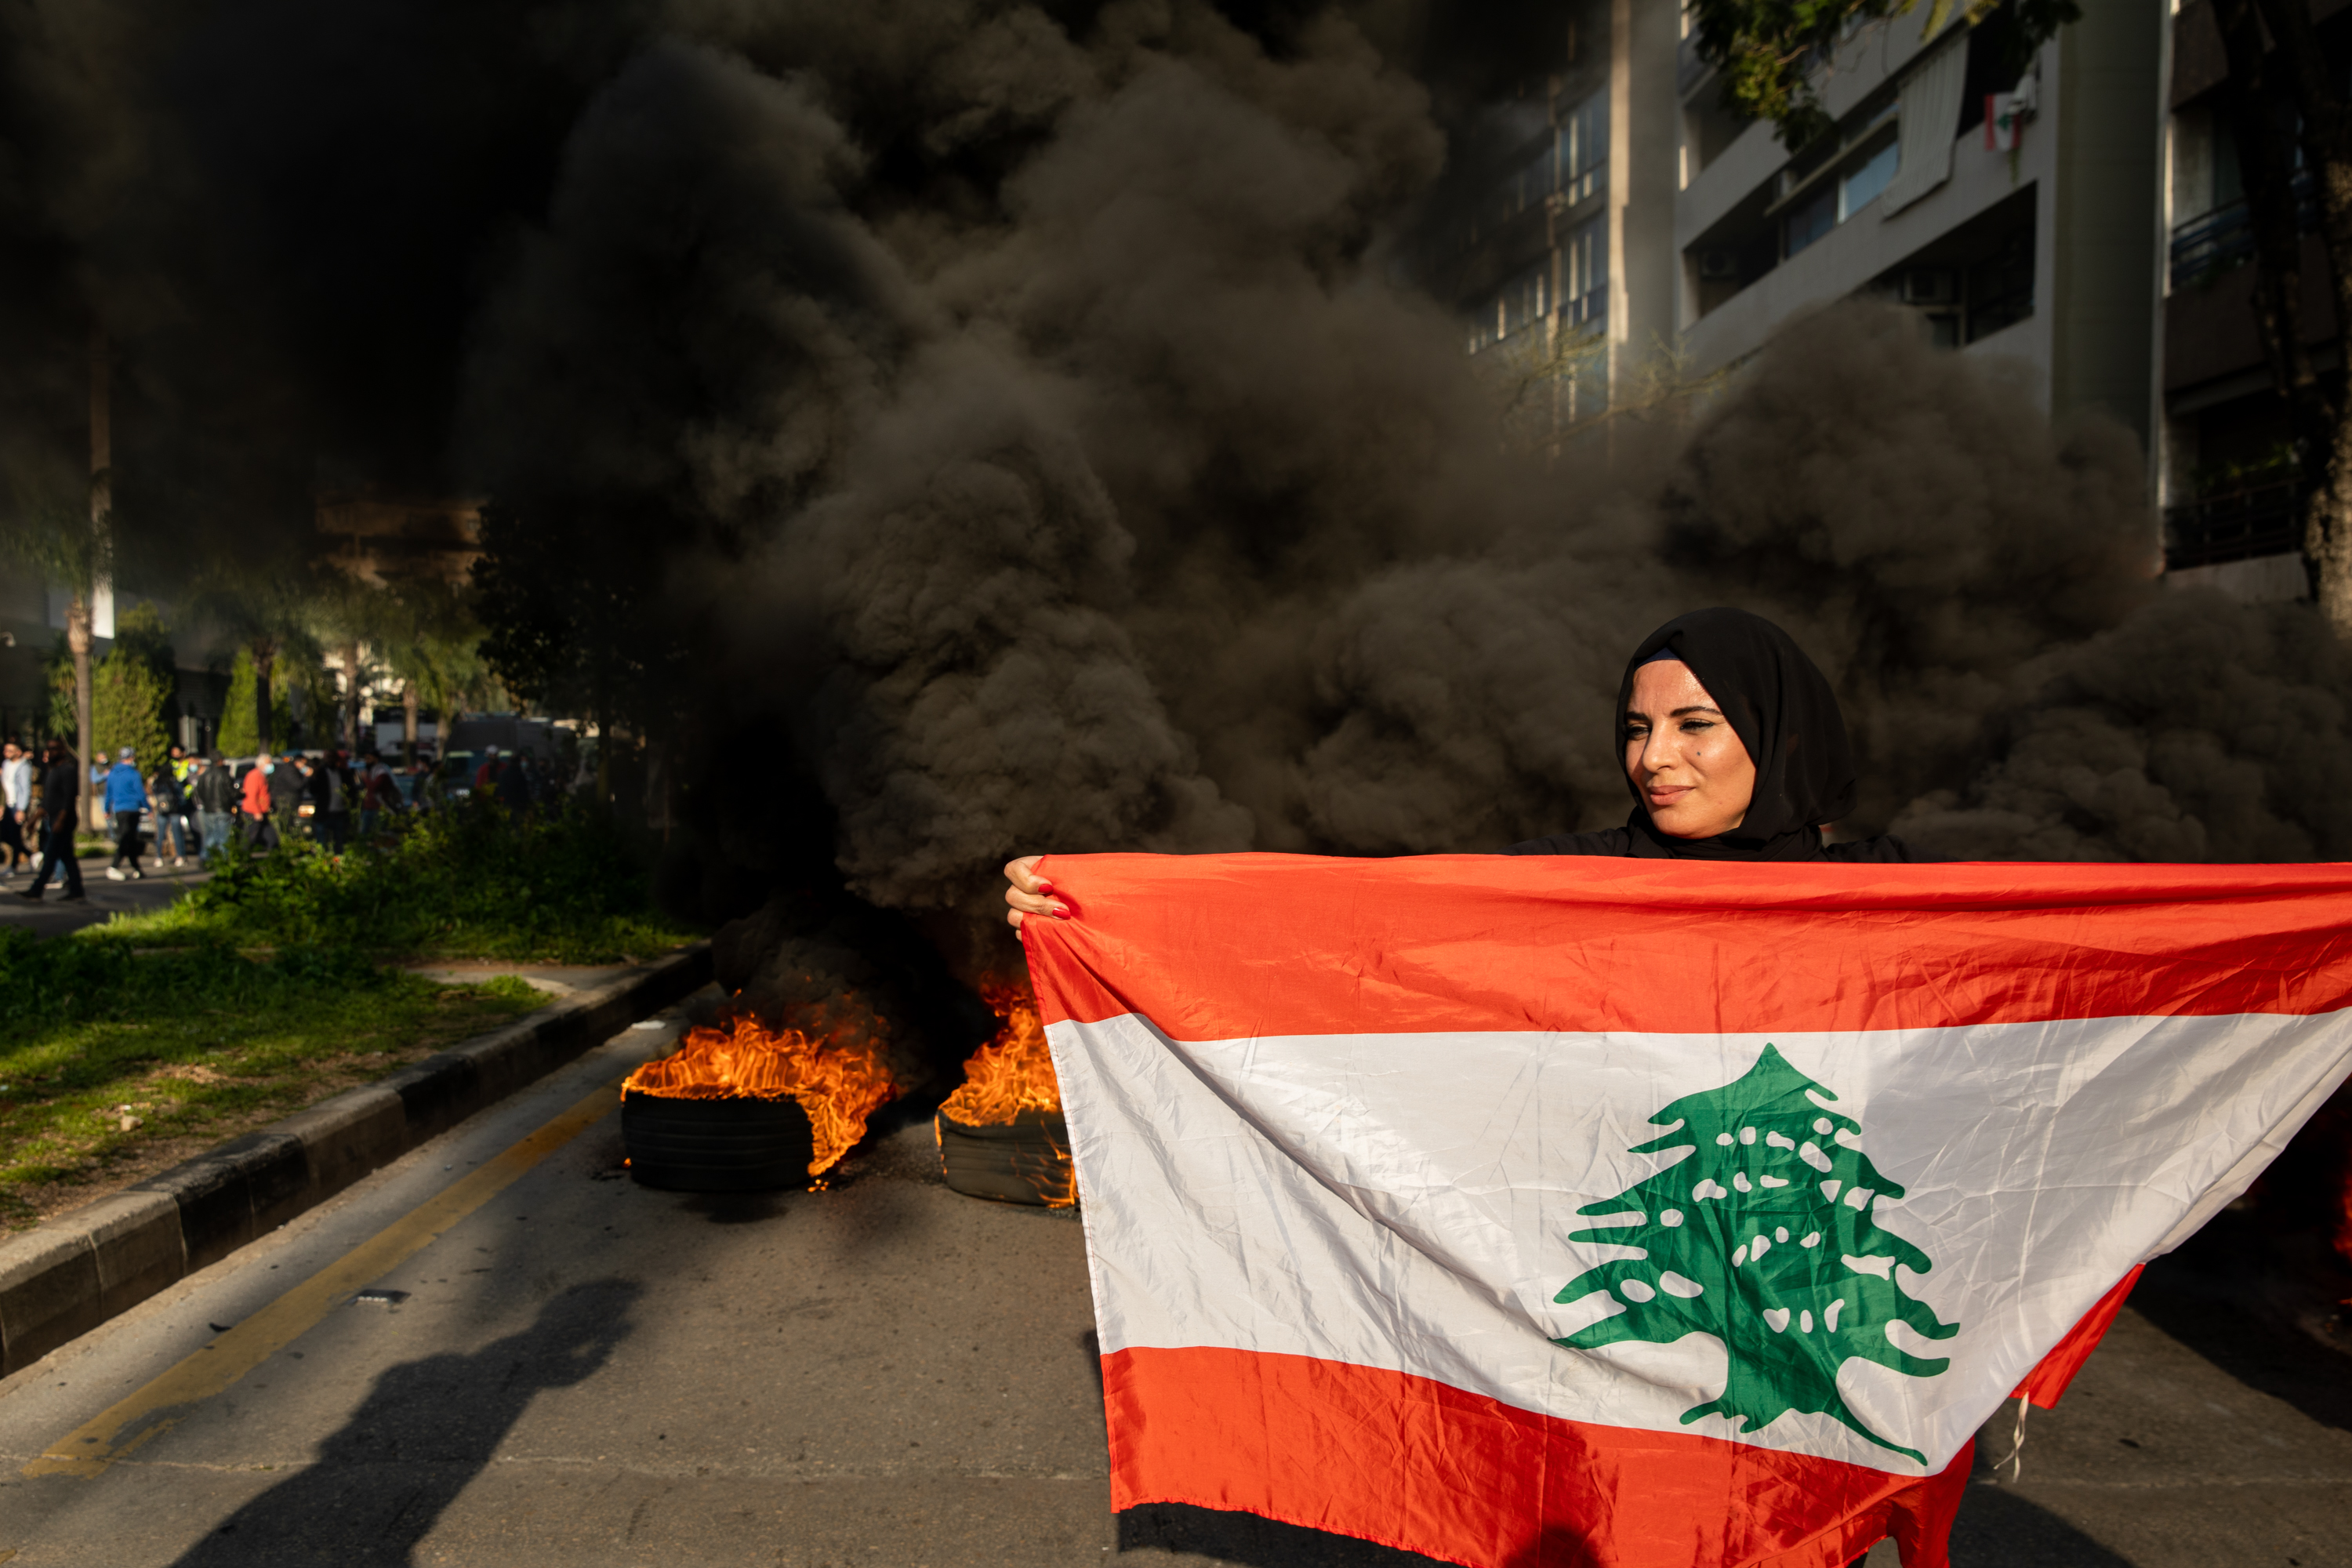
583, 1372
55, 915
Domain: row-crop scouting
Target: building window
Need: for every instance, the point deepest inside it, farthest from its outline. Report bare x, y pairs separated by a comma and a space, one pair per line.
1525, 300
1839, 179
1584, 275
1521, 303
2001, 286
1814, 218
1862, 184
1973, 281
1580, 150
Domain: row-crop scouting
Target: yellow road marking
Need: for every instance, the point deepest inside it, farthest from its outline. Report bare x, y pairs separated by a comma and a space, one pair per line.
90, 1449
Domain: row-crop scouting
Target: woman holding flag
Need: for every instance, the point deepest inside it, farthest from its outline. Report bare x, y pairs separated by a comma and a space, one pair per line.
1733, 747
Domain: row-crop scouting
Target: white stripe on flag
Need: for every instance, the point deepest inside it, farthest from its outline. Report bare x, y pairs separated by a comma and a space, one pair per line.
1402, 1201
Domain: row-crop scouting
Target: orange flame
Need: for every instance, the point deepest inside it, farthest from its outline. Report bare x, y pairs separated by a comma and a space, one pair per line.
839, 1081
1011, 1073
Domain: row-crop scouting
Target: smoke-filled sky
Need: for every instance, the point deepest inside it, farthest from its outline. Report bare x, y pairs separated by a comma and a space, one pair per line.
1017, 407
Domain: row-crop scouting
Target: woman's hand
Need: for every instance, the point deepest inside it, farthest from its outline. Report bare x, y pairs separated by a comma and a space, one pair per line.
1029, 894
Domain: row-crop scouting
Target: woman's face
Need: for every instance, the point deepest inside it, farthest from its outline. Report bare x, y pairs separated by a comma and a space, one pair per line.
1682, 755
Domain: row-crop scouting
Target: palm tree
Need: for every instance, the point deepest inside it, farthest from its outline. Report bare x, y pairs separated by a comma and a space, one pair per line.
432, 645
354, 618
67, 538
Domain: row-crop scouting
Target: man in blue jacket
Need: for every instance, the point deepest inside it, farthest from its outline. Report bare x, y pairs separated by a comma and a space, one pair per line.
126, 797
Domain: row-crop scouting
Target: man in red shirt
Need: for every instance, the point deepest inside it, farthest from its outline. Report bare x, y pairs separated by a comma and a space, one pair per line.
261, 832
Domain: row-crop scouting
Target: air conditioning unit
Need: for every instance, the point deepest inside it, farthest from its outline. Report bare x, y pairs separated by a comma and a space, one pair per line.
1931, 286
1717, 266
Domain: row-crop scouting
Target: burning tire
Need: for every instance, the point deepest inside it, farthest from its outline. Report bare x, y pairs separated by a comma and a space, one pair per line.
732, 1144
1024, 1161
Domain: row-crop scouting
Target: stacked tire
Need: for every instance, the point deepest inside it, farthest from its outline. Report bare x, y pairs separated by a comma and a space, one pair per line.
1024, 1161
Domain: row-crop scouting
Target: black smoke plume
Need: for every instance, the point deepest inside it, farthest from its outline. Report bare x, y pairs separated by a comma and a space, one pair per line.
1022, 417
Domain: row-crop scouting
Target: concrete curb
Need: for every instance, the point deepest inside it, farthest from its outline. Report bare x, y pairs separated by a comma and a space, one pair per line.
72, 1274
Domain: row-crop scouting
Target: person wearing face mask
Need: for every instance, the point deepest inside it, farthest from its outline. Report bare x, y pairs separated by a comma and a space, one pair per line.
256, 804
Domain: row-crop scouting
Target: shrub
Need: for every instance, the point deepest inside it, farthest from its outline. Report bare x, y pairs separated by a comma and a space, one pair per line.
561, 887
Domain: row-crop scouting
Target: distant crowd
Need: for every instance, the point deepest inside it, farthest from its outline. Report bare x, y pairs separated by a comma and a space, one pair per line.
204, 803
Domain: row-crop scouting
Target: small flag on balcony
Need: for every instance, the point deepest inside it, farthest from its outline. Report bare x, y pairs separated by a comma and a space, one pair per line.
2005, 117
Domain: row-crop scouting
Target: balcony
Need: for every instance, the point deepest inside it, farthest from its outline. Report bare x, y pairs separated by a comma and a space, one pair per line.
2236, 526
2225, 237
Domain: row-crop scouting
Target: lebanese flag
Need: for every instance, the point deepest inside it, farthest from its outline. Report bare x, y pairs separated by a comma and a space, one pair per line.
1543, 1210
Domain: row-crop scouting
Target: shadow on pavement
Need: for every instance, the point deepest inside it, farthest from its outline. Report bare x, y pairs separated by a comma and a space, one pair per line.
1246, 1538
1996, 1529
738, 1209
2248, 1299
1999, 1528
425, 1431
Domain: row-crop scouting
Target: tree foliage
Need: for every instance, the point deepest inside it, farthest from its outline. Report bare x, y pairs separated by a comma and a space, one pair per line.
265, 607
49, 530
240, 734
1774, 54
564, 611
431, 642
134, 689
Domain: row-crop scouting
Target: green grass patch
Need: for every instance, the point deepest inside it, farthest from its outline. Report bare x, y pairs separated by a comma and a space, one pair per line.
119, 1062
562, 888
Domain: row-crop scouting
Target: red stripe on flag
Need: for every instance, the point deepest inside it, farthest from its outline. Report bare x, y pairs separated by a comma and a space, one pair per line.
1417, 1464
1239, 947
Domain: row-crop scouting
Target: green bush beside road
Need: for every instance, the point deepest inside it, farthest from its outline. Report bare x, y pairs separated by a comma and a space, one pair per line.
559, 888
113, 1054
269, 986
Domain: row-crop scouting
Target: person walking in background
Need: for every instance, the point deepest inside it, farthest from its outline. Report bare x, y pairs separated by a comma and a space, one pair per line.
126, 797
171, 803
378, 794
485, 777
306, 773
260, 827
61, 803
287, 777
214, 794
331, 803
513, 786
15, 804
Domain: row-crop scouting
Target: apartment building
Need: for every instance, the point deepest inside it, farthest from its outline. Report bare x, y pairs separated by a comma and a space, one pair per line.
2015, 209
1555, 236
2019, 208
2226, 472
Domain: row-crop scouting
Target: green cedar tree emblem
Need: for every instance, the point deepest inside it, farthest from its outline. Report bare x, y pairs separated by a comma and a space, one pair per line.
1764, 1237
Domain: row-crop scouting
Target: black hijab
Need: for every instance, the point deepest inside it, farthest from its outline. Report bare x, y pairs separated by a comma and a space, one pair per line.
1782, 708
1781, 705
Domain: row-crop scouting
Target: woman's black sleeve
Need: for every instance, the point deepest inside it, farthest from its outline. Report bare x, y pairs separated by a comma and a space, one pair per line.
1885, 850
1608, 841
